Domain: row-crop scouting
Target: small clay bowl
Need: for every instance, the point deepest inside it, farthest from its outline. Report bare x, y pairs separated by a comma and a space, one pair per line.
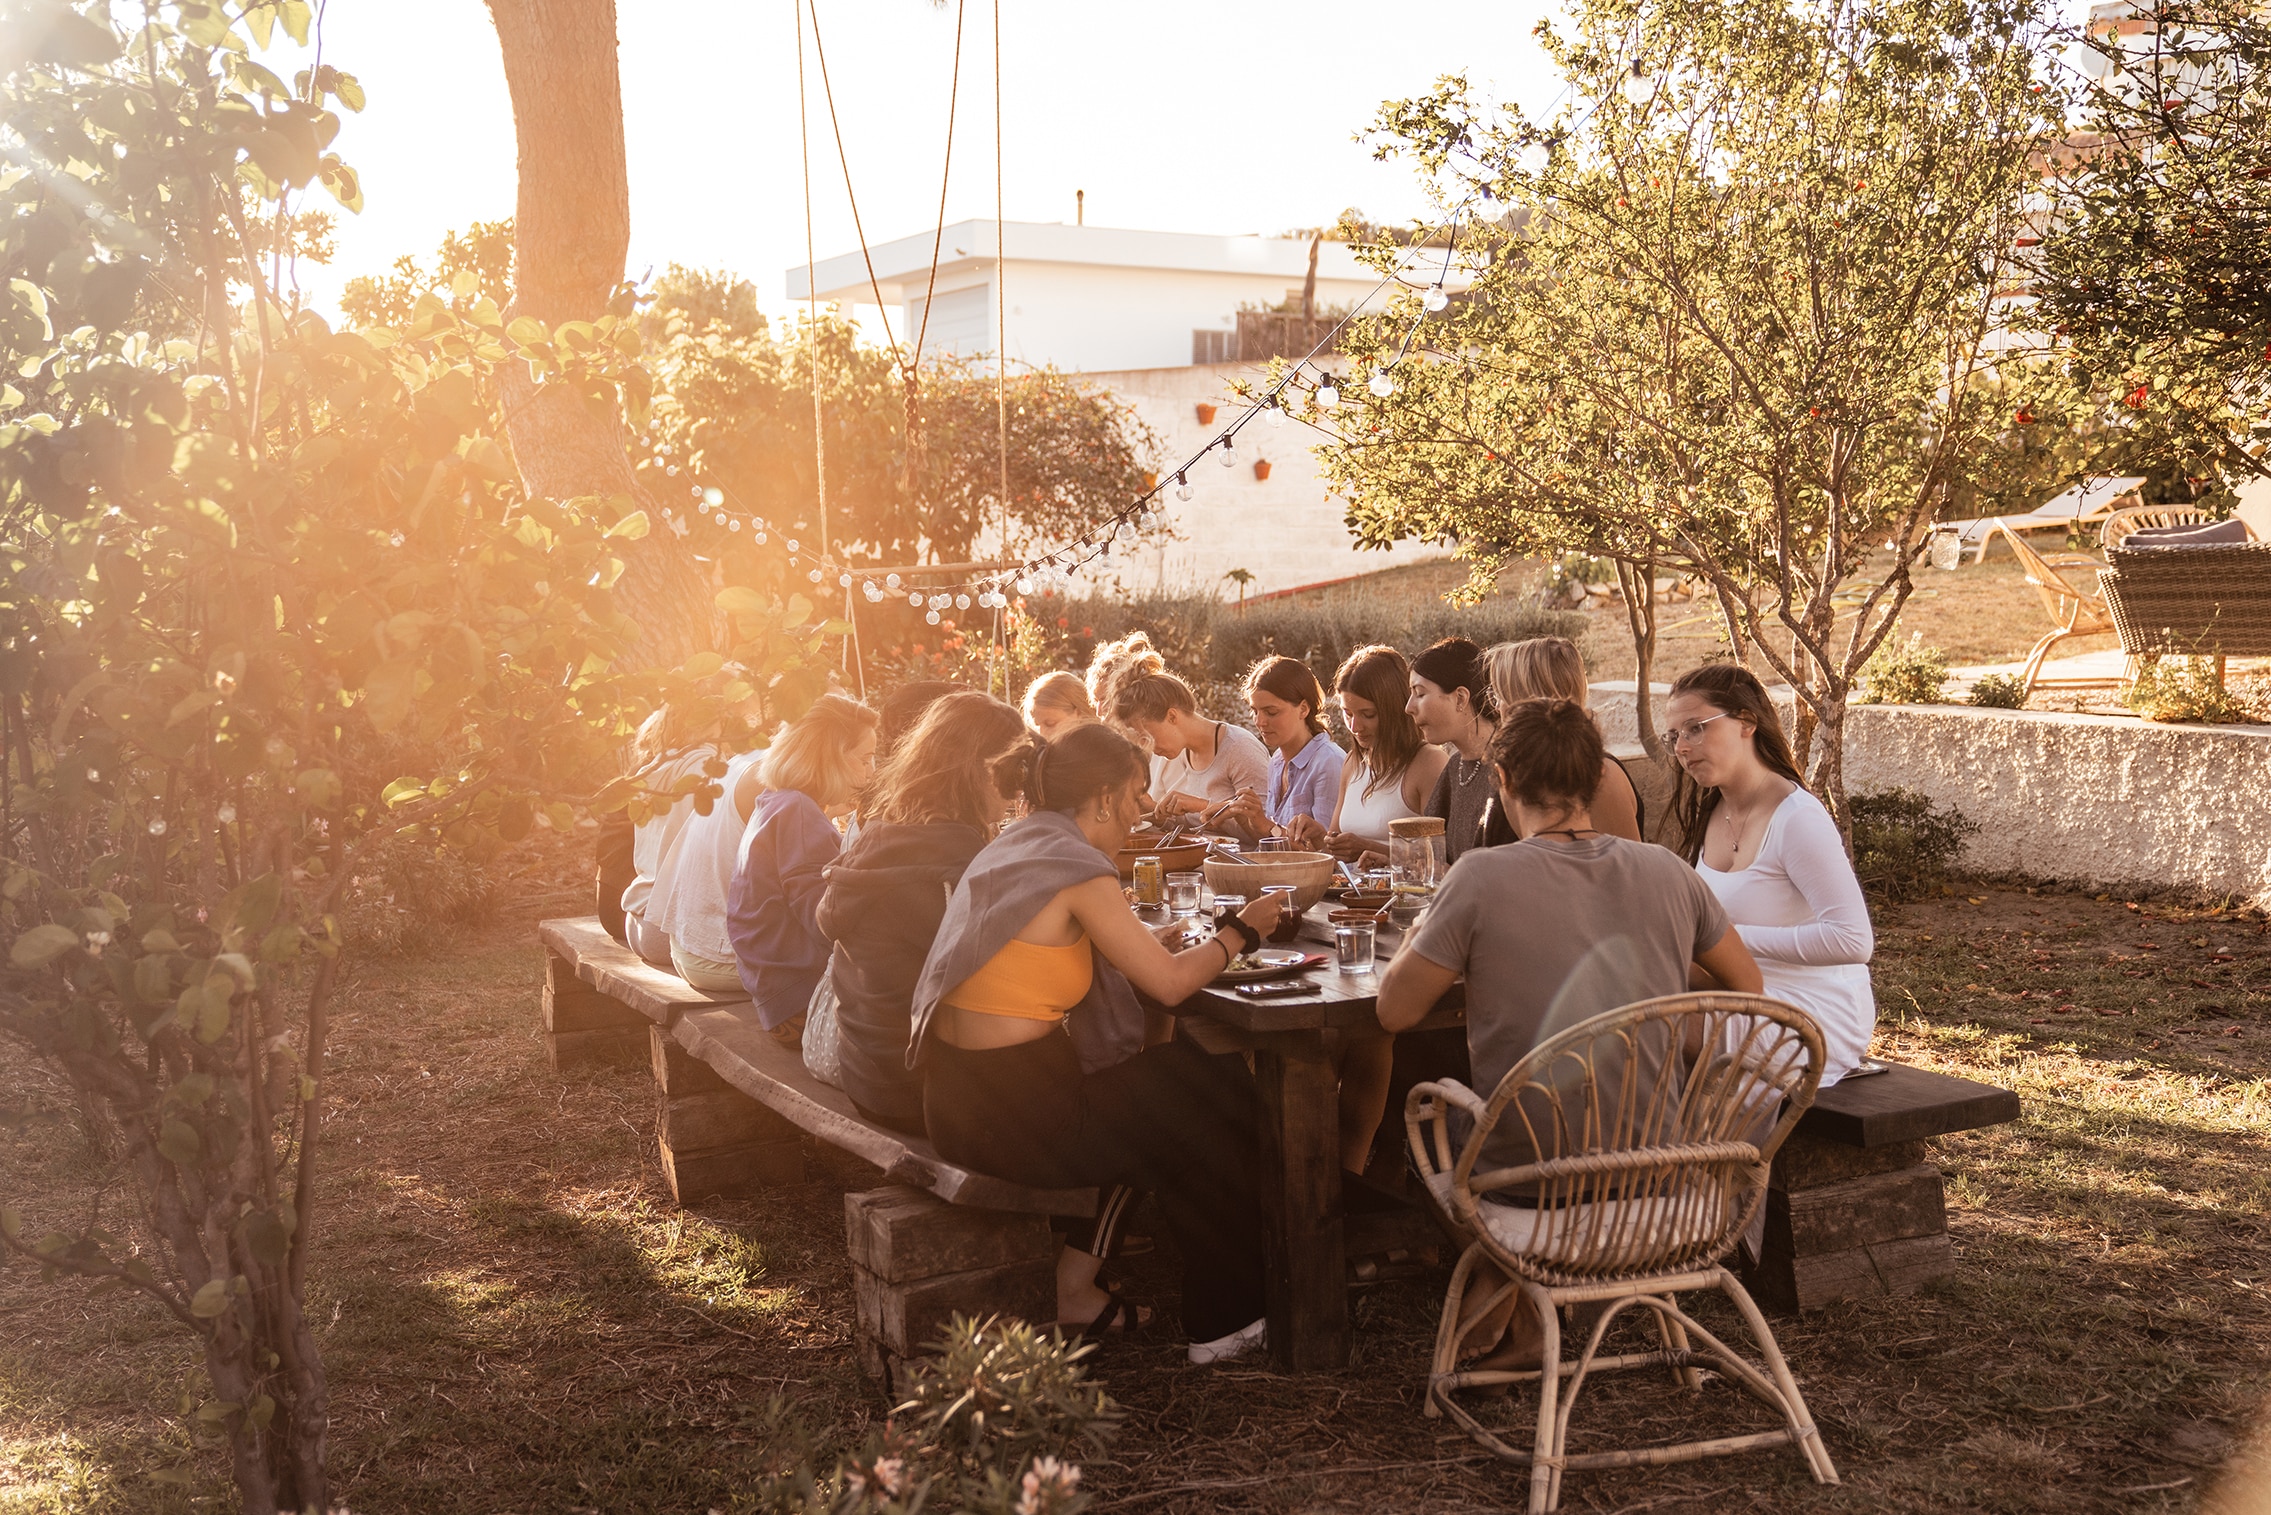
1358, 899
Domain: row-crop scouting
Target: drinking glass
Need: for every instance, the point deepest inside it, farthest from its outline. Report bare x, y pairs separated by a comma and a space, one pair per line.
1352, 946
1183, 893
1272, 844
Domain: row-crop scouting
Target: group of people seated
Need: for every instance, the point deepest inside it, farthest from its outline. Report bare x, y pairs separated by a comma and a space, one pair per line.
924, 900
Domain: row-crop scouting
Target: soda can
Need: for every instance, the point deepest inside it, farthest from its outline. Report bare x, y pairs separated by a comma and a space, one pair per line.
1150, 881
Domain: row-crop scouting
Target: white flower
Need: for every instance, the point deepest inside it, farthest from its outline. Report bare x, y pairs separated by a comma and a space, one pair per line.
891, 1472
1043, 1483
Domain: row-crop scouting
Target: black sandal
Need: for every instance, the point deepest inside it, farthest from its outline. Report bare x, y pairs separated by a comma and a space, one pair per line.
1117, 1309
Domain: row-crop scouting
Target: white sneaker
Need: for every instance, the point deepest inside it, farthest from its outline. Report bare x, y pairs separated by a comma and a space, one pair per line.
1237, 1344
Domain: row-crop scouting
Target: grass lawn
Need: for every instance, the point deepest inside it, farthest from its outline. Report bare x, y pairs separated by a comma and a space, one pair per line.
516, 1319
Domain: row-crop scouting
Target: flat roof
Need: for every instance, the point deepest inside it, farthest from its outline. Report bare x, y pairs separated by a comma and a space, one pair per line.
968, 246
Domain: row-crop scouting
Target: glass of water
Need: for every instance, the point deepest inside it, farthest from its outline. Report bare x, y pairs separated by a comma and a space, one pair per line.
1183, 893
1352, 946
1271, 844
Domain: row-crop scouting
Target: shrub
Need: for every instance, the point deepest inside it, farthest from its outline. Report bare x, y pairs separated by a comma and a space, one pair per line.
1904, 845
2183, 689
1904, 673
994, 1423
2000, 691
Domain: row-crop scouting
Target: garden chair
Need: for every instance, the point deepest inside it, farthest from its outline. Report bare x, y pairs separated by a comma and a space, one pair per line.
2074, 611
2084, 504
2121, 523
1650, 1131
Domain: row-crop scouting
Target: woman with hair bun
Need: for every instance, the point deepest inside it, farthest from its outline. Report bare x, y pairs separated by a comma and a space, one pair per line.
1562, 925
1030, 1037
1394, 769
1450, 699
1771, 853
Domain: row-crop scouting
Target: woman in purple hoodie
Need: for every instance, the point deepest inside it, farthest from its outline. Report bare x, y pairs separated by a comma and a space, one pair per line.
813, 771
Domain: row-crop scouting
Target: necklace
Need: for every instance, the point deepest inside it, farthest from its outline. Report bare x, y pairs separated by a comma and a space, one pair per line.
1572, 832
1467, 777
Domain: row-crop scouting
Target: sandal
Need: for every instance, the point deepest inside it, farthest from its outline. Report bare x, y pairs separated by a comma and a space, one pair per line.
1119, 1317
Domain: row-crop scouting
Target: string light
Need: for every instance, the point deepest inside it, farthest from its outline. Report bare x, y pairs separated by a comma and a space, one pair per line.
1382, 383
1182, 487
1229, 454
1434, 300
1328, 393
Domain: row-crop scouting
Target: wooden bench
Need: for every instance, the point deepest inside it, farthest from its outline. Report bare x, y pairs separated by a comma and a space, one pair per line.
734, 1109
1854, 1210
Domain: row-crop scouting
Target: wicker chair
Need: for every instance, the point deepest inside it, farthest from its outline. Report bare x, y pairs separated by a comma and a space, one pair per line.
2183, 601
2121, 523
2074, 611
1632, 1189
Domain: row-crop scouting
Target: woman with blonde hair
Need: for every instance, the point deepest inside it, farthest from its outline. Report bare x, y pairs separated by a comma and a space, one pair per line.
811, 774
1551, 668
1057, 700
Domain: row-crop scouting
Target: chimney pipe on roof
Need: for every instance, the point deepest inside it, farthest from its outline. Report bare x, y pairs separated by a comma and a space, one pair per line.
1080, 207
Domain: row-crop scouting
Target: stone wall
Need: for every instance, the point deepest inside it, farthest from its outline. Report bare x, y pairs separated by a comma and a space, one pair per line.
2104, 801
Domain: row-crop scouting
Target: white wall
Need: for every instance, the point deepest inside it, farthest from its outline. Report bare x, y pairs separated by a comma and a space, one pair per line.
1286, 530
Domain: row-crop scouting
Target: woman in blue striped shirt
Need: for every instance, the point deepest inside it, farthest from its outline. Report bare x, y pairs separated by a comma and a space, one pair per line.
1305, 763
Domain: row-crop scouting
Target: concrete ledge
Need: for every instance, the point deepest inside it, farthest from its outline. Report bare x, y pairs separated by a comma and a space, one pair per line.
2105, 801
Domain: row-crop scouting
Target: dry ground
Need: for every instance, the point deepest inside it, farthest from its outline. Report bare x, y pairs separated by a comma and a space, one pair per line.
516, 1319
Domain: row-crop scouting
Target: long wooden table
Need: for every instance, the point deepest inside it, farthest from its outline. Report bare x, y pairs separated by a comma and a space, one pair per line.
1301, 1169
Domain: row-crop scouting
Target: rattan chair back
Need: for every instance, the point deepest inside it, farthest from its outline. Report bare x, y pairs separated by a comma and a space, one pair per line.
1633, 1144
2121, 523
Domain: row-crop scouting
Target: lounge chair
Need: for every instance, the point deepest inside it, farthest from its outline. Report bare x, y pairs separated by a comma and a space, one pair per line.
2074, 611
2086, 503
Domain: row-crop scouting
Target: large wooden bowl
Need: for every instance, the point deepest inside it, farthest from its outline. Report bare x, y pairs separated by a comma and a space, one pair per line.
1310, 874
1181, 858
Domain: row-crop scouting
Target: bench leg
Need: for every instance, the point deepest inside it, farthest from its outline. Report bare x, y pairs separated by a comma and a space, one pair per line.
584, 1028
713, 1139
1301, 1202
1850, 1223
917, 1262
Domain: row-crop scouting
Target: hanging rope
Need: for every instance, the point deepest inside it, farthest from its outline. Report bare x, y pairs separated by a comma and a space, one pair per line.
852, 659
1001, 351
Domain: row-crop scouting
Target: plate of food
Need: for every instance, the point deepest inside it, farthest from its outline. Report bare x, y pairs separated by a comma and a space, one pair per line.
1262, 963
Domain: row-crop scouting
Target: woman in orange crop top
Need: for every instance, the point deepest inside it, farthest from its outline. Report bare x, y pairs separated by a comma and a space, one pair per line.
1003, 1088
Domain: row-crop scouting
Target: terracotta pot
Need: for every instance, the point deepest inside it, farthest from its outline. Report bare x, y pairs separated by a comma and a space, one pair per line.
1206, 414
1261, 468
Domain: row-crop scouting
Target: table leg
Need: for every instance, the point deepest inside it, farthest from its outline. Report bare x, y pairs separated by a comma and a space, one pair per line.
1301, 1196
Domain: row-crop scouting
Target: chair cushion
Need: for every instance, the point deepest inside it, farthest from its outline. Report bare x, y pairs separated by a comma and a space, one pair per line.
1616, 1236
2206, 534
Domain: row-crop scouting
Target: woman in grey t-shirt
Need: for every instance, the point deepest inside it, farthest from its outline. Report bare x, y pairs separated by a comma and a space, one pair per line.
1564, 925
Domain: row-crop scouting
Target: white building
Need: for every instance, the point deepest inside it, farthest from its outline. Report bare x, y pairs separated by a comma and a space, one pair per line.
1153, 317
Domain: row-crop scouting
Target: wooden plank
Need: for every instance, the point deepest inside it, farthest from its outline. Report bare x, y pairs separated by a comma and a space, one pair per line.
724, 1118
1905, 1104
901, 1234
1807, 1162
1879, 1271
742, 1053
905, 1318
678, 1071
621, 974
696, 1175
570, 1004
570, 1050
1301, 1205
1860, 1212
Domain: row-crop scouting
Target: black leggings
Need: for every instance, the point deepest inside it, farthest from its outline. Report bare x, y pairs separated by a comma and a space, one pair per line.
1171, 1119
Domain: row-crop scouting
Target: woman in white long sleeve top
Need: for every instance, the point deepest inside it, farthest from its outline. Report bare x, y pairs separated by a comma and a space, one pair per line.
1772, 854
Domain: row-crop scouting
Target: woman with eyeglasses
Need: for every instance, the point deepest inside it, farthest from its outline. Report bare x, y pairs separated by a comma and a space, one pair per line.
1771, 853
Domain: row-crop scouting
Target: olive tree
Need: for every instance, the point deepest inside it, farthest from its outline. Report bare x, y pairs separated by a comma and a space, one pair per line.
1732, 313
269, 592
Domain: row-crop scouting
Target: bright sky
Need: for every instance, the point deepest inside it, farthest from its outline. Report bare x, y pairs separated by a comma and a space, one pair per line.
1173, 115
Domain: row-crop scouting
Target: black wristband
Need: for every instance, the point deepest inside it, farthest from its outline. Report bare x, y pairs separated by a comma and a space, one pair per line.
1248, 937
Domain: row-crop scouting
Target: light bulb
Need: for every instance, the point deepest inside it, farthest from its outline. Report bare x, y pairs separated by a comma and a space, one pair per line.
961, 602
1435, 299
814, 576
843, 581
1182, 487
891, 581
1328, 394
698, 494
226, 815
713, 498
915, 600
1274, 413
1382, 384
1025, 586
1638, 87
1535, 158
874, 595
735, 525
158, 827
1127, 531
760, 535
931, 617
792, 544
1229, 456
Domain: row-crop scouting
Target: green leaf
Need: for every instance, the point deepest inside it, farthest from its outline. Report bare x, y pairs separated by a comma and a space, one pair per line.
160, 940
266, 1236
740, 599
282, 945
349, 91
260, 1412
631, 527
179, 1143
213, 1012
42, 945
210, 1301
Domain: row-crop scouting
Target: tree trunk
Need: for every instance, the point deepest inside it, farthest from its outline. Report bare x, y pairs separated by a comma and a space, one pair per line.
571, 231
